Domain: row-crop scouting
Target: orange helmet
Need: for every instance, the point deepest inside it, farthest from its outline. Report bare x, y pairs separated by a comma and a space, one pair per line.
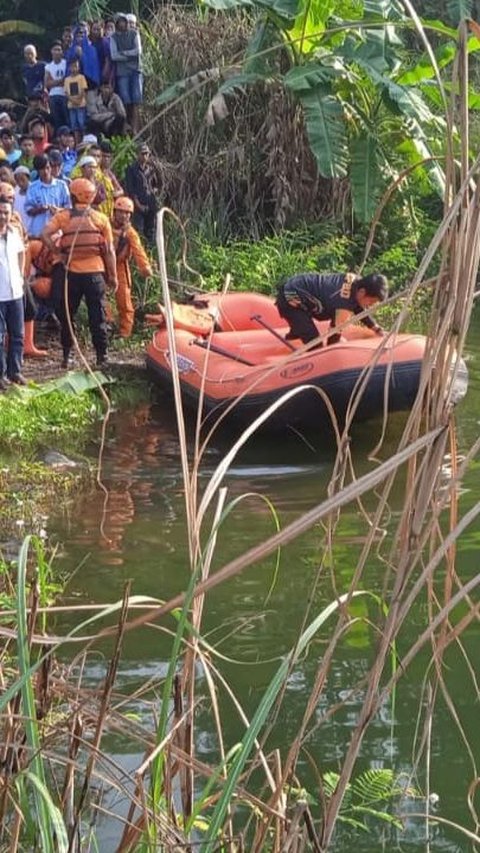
7, 191
42, 287
83, 191
124, 203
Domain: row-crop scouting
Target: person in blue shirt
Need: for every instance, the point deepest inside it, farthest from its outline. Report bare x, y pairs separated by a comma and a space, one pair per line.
9, 145
328, 296
33, 73
45, 196
65, 143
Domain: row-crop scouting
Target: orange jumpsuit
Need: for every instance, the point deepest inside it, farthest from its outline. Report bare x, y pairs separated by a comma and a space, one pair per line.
128, 245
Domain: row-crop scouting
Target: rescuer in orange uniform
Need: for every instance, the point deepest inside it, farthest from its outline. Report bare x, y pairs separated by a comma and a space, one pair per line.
127, 245
88, 257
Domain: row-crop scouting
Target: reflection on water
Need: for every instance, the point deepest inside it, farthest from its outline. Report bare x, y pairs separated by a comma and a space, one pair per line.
135, 530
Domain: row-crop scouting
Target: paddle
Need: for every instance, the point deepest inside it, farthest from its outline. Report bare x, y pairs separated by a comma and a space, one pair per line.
266, 325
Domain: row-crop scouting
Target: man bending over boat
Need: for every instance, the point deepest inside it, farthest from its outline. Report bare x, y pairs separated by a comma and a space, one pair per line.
329, 296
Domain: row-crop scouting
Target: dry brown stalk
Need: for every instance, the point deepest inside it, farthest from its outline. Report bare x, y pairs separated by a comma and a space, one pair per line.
102, 713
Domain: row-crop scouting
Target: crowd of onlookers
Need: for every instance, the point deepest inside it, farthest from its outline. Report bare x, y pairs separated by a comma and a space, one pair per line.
90, 91
93, 80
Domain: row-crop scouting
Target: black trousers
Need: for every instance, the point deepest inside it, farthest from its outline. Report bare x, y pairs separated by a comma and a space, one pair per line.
300, 322
29, 307
145, 223
91, 287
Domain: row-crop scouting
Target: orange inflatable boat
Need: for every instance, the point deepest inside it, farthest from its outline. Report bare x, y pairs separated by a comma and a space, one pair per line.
231, 353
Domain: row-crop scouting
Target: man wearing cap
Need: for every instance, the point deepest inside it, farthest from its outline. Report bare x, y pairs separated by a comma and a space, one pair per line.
141, 186
126, 49
88, 167
86, 140
45, 196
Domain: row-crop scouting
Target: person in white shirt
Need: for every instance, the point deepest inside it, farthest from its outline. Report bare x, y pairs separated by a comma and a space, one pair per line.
55, 73
12, 266
22, 181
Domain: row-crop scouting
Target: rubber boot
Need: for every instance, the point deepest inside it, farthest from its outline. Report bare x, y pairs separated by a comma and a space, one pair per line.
29, 347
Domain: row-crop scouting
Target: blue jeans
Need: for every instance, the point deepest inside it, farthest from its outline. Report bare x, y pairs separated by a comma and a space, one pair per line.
77, 118
130, 87
11, 322
58, 110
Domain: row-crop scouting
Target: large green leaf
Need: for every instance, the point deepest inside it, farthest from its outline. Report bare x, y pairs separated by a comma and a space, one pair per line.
423, 151
74, 382
9, 27
381, 9
444, 56
424, 69
439, 27
460, 10
288, 9
324, 118
376, 49
402, 100
310, 24
254, 61
365, 176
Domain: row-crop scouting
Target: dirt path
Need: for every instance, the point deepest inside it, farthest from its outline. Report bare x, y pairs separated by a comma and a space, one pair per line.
49, 367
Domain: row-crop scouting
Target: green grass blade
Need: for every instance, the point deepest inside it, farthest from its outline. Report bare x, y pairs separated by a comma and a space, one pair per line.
56, 819
261, 715
28, 703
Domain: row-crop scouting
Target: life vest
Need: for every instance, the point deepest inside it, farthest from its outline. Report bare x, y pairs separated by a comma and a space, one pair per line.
41, 258
81, 239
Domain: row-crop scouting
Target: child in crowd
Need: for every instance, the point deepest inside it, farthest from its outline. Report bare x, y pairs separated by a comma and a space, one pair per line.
27, 151
76, 91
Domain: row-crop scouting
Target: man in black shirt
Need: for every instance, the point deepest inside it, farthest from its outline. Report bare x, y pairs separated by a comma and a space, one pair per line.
140, 185
328, 296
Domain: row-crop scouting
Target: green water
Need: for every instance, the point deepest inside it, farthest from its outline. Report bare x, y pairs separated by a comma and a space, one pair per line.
257, 616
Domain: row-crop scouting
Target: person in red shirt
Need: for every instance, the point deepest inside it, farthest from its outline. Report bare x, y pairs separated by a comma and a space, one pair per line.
38, 132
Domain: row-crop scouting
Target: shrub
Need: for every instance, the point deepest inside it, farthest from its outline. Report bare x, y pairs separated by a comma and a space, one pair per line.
260, 265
